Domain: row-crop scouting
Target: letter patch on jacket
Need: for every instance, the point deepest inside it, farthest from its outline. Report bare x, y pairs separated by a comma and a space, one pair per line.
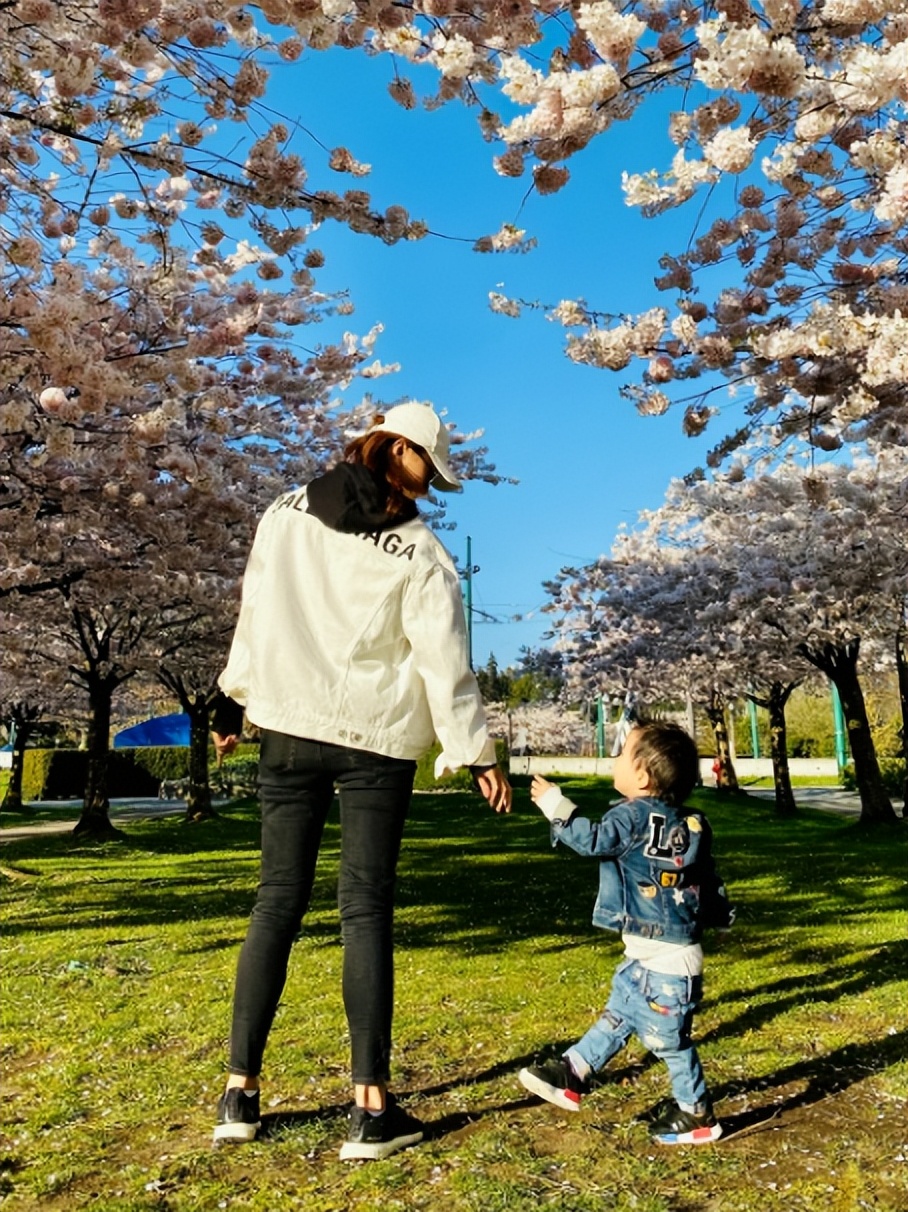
669, 845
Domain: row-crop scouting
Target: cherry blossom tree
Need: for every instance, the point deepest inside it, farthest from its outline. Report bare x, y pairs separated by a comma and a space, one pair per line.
750, 579
150, 360
793, 292
26, 701
650, 620
830, 554
22, 716
548, 727
32, 687
155, 277
193, 635
138, 116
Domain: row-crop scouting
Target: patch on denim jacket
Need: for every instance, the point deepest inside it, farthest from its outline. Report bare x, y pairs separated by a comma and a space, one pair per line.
669, 845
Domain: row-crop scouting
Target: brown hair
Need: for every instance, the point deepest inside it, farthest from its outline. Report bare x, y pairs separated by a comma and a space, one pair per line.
373, 450
669, 756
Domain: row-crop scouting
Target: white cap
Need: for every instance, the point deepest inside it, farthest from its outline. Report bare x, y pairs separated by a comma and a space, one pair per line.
421, 425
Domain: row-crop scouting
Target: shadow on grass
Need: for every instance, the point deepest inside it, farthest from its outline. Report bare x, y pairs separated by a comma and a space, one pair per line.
285, 1121
824, 1075
870, 970
468, 879
434, 1129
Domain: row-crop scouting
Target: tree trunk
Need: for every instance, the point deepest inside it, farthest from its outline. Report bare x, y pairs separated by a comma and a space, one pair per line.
12, 801
95, 819
778, 742
726, 779
198, 798
840, 664
901, 664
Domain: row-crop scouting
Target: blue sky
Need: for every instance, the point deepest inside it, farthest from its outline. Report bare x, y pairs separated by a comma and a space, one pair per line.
585, 461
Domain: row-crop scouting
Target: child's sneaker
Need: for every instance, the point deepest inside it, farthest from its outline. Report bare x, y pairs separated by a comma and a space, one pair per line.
677, 1127
238, 1116
556, 1082
372, 1137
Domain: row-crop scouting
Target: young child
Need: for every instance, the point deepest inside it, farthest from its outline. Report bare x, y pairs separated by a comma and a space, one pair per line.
658, 885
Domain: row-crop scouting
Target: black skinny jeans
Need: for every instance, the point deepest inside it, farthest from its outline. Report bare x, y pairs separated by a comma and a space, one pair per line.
297, 779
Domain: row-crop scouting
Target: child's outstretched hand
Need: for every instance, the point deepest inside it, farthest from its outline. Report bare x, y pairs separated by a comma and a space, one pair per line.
548, 799
538, 788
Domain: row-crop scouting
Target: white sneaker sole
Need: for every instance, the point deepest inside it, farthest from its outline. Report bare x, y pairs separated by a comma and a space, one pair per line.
236, 1133
558, 1098
353, 1150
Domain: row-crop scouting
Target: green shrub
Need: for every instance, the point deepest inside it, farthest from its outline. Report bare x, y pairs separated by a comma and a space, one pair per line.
54, 774
127, 776
461, 781
62, 774
892, 770
237, 774
160, 761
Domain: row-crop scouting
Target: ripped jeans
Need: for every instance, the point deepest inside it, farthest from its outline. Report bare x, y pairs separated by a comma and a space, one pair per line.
659, 1009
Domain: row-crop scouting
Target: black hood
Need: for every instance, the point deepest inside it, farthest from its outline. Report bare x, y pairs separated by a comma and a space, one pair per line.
352, 499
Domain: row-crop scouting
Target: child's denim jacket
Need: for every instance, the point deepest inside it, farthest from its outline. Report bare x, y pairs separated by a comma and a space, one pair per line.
657, 878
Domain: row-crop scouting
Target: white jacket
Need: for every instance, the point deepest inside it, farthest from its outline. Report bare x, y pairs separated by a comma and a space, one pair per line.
356, 639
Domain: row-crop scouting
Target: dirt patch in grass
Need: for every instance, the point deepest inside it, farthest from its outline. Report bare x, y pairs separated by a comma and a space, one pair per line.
776, 1154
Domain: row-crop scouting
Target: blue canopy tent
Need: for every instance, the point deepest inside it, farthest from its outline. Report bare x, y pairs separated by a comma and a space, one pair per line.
162, 730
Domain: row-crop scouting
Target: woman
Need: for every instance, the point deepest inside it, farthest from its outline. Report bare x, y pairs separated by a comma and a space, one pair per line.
350, 654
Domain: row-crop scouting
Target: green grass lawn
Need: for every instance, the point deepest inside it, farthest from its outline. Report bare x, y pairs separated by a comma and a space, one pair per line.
797, 780
116, 982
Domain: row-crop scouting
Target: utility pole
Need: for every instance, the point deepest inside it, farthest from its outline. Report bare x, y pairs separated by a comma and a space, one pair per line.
838, 715
754, 730
468, 598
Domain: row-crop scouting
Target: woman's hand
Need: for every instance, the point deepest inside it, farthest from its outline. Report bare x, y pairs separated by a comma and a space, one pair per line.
223, 745
494, 787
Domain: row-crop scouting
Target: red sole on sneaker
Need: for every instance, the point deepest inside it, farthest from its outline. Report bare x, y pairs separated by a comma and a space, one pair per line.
699, 1136
567, 1100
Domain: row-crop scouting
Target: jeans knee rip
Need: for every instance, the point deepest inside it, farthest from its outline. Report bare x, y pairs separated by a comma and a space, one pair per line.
655, 1043
614, 1020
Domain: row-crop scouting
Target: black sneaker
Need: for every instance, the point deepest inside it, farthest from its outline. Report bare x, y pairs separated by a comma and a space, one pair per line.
238, 1116
556, 1082
677, 1127
372, 1137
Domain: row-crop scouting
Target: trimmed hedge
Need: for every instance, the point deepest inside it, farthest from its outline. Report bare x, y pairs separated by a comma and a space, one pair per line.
54, 774
61, 774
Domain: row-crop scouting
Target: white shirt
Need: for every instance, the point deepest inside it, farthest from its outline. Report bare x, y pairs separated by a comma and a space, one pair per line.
674, 959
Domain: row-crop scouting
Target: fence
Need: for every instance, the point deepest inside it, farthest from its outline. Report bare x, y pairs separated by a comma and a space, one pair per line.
745, 768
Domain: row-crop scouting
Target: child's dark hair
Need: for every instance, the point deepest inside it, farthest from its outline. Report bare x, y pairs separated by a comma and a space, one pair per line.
669, 756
